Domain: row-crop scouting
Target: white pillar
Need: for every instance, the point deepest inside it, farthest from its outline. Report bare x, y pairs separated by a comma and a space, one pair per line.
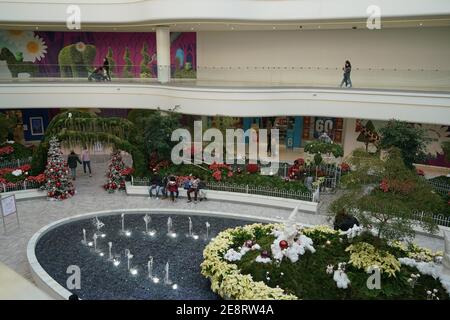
163, 53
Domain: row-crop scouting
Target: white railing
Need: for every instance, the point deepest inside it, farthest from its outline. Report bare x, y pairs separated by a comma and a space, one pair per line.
15, 163
22, 185
248, 189
439, 219
440, 187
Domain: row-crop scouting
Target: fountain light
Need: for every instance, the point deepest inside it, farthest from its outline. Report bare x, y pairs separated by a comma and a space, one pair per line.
90, 244
103, 235
155, 280
101, 254
116, 263
151, 233
175, 286
195, 236
133, 271
173, 235
128, 233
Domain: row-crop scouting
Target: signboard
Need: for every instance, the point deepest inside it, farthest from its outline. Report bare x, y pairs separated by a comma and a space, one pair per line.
323, 125
289, 139
8, 206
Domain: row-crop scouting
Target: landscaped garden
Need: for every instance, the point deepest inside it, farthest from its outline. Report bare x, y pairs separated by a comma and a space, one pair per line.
276, 261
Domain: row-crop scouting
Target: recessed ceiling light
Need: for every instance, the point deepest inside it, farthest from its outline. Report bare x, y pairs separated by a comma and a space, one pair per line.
37, 28
319, 27
232, 28
274, 28
421, 24
192, 28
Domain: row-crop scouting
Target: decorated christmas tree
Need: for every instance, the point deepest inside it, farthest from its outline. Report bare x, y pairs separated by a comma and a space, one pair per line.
116, 173
58, 184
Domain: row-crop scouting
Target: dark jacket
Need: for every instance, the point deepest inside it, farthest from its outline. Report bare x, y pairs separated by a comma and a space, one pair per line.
72, 160
156, 180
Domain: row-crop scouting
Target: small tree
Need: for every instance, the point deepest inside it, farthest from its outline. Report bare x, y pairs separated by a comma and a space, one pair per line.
158, 127
385, 195
112, 62
127, 68
446, 150
145, 70
116, 173
320, 147
58, 184
410, 140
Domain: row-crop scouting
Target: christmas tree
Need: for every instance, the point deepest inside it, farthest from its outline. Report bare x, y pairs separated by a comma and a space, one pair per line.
58, 184
116, 173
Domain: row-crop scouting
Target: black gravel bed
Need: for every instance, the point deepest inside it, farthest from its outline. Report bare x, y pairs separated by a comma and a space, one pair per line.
101, 280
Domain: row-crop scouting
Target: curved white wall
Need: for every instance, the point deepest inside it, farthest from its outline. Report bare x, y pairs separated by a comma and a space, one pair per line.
389, 58
129, 12
418, 107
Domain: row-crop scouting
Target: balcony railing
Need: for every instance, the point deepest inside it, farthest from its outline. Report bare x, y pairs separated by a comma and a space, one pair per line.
420, 79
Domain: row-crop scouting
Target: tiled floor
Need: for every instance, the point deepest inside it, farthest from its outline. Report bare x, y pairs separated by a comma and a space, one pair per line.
90, 197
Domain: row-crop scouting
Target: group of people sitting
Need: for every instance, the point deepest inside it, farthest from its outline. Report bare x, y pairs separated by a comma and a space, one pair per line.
168, 186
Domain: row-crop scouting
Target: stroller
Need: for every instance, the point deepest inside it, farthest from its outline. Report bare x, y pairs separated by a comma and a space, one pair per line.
98, 75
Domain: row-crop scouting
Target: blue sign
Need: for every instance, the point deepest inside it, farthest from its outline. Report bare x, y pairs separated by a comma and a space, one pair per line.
290, 139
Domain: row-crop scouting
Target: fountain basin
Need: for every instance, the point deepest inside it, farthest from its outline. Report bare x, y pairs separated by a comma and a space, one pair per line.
59, 245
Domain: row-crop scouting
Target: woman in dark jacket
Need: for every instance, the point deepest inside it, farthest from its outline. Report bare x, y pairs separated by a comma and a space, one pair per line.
347, 69
72, 160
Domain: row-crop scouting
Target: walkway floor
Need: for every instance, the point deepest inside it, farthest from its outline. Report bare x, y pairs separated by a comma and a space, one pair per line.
90, 197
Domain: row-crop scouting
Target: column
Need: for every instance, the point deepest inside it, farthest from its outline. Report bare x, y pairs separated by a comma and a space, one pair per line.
298, 131
163, 53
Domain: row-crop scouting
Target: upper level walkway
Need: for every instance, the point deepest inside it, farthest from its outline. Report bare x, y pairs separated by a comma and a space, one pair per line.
230, 98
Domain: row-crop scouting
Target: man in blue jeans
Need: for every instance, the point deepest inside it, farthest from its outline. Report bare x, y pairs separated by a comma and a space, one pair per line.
156, 184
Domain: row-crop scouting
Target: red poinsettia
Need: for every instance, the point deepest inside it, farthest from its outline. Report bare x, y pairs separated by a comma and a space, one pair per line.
6, 150
420, 172
300, 161
217, 175
252, 168
384, 185
40, 178
127, 171
219, 166
230, 174
345, 167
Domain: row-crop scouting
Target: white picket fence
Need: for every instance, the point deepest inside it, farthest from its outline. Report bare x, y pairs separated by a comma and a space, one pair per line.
24, 185
15, 163
439, 219
248, 189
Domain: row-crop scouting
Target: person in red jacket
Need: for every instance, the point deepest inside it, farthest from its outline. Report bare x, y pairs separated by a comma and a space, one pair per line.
172, 188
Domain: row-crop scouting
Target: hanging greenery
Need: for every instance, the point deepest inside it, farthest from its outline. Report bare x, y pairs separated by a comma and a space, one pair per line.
82, 128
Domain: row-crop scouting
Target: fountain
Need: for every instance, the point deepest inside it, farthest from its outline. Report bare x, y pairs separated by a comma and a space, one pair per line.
129, 256
126, 232
84, 241
207, 230
170, 231
167, 280
148, 220
95, 242
110, 252
150, 270
191, 233
98, 224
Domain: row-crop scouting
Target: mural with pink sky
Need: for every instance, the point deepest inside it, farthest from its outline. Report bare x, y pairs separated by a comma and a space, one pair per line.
74, 54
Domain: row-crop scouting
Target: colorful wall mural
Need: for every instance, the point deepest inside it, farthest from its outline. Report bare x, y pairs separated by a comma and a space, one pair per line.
75, 54
367, 133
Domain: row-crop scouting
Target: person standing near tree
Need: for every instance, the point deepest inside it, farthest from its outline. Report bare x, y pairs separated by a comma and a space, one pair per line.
72, 161
86, 159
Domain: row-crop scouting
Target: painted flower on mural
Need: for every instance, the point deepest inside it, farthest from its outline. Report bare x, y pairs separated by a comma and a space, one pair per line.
16, 37
80, 46
33, 49
437, 134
